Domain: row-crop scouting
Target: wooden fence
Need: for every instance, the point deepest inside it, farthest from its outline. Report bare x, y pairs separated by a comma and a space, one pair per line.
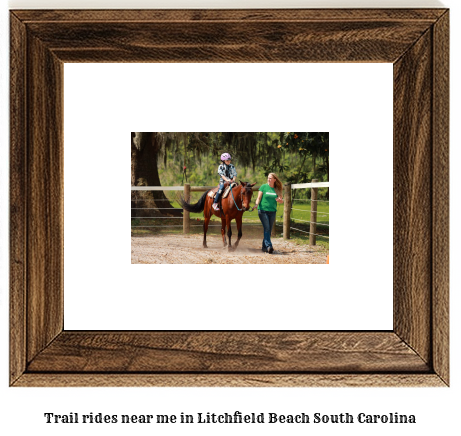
314, 186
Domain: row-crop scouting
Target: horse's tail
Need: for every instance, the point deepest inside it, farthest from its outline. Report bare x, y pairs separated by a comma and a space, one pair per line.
195, 208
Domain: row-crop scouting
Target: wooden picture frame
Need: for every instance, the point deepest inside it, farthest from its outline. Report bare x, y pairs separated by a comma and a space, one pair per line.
414, 353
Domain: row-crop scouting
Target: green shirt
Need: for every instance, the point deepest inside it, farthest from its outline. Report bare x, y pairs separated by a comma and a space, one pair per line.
268, 200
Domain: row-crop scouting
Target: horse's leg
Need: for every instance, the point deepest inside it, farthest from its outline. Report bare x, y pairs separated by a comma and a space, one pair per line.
205, 228
229, 233
207, 216
238, 220
223, 232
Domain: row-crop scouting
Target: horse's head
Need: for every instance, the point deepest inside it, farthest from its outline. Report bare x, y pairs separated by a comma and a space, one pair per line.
246, 193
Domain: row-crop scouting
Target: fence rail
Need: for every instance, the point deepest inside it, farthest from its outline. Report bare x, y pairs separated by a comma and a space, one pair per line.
288, 207
311, 185
178, 188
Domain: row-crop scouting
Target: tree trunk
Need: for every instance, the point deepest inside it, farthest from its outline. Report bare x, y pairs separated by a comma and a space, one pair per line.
134, 160
146, 173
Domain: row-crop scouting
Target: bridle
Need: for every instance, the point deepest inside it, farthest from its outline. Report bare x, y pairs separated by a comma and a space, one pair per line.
241, 196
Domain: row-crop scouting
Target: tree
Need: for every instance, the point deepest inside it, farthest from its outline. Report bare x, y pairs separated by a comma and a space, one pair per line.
307, 144
145, 147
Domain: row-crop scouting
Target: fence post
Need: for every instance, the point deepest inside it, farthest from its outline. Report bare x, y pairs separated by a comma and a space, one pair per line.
313, 220
286, 211
186, 214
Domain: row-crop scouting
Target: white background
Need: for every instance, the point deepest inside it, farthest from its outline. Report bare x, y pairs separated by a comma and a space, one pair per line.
436, 409
100, 282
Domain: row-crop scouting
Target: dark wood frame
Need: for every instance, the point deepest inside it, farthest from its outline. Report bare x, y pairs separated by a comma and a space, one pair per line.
414, 353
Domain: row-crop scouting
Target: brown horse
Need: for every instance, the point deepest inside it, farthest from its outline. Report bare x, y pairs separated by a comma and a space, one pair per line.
231, 207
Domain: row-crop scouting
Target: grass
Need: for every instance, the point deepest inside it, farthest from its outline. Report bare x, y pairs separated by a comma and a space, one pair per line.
300, 216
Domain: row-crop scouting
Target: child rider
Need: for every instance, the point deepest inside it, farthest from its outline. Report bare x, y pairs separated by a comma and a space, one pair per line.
228, 173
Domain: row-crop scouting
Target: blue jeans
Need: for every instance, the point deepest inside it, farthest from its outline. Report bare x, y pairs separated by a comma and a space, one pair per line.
267, 220
218, 194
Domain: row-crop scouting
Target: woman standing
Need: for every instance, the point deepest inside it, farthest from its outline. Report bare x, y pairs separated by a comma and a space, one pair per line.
269, 195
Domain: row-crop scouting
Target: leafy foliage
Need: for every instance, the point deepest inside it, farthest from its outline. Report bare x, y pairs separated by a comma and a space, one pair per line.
296, 157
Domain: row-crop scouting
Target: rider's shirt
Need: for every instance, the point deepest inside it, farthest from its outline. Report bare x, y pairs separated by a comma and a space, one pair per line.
228, 171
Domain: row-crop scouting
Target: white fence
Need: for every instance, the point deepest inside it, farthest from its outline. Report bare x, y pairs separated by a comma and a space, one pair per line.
290, 221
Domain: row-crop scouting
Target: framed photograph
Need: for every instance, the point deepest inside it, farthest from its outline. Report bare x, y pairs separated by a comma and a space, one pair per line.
414, 353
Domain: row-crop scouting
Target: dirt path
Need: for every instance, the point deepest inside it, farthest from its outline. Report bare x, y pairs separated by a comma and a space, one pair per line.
187, 249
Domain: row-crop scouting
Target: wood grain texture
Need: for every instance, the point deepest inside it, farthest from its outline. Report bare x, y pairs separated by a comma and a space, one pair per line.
414, 354
230, 380
228, 352
44, 198
230, 36
350, 41
440, 189
18, 211
203, 15
412, 198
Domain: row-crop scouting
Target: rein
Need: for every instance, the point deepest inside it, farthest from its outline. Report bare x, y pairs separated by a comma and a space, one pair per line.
241, 197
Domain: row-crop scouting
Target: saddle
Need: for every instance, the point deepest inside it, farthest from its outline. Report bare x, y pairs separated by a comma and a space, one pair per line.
226, 191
